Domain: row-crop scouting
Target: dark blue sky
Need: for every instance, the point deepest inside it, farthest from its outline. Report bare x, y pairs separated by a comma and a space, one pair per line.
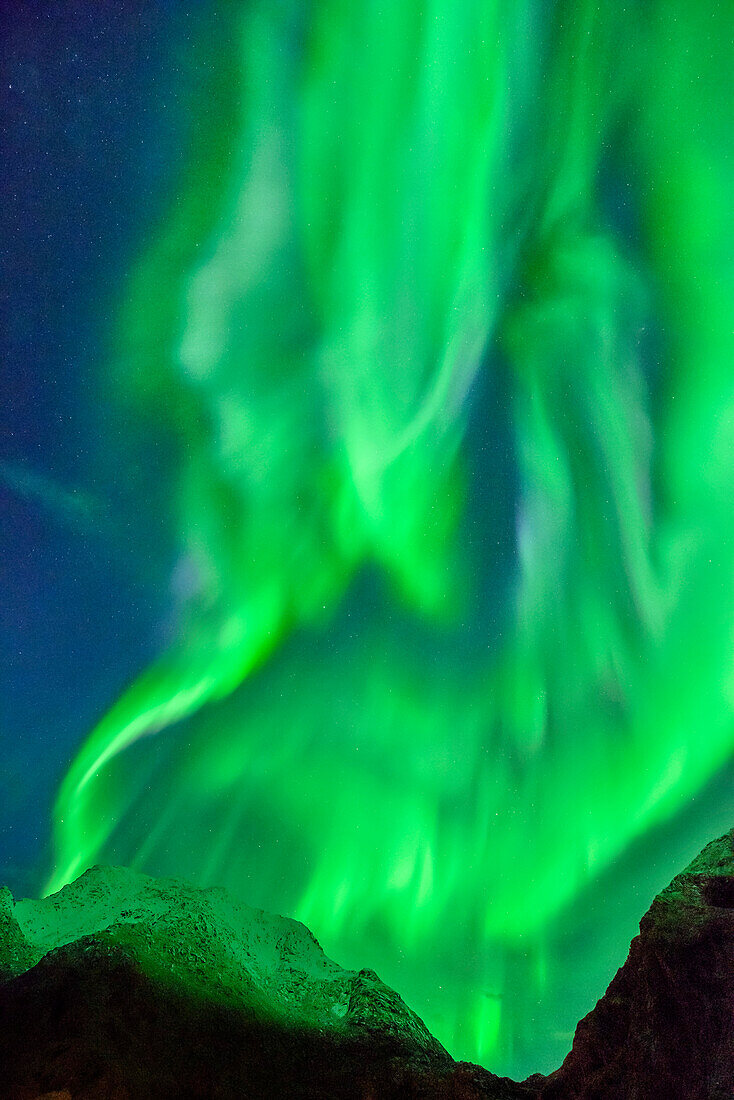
94, 133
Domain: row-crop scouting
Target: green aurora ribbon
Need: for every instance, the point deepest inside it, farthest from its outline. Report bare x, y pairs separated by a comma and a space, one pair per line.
454, 480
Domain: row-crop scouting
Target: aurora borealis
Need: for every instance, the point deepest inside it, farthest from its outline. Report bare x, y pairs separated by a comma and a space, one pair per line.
435, 331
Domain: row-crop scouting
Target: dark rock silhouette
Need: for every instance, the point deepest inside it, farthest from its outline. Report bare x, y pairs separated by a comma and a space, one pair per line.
122, 987
665, 1026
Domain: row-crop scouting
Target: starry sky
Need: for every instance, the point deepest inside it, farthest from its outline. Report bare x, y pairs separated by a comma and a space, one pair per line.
93, 128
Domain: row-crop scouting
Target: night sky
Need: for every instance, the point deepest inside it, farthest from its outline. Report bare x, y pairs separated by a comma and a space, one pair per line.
93, 131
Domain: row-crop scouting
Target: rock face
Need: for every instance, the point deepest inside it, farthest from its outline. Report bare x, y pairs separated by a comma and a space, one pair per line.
665, 1026
122, 987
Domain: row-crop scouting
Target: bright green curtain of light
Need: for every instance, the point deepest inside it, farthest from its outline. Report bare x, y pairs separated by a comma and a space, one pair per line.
401, 221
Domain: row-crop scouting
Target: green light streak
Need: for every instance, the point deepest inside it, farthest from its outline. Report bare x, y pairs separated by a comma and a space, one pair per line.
385, 205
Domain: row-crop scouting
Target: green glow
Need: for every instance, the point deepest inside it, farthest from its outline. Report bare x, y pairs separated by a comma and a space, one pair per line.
388, 204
